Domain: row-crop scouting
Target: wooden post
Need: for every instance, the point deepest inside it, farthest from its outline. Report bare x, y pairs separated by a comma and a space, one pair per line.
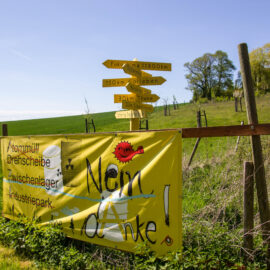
256, 144
238, 138
146, 124
236, 104
199, 120
199, 124
240, 102
86, 125
165, 110
94, 127
205, 118
248, 208
4, 130
134, 124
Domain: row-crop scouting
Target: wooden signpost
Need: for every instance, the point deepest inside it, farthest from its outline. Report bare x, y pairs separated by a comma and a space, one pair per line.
134, 102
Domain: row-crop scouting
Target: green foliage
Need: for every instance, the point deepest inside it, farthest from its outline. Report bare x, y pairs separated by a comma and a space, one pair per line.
260, 68
47, 244
260, 93
223, 69
210, 75
224, 98
49, 247
202, 100
205, 246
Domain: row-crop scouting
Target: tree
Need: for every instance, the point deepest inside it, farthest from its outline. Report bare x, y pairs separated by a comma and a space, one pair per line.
260, 67
210, 75
200, 76
223, 71
175, 103
88, 118
238, 84
166, 107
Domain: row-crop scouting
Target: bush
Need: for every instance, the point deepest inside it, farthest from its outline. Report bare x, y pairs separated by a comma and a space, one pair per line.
202, 100
205, 246
47, 245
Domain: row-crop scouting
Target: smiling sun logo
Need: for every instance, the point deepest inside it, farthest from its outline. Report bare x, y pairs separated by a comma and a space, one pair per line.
124, 151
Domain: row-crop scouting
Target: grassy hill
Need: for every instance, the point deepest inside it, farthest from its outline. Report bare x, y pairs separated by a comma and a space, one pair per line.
212, 186
217, 114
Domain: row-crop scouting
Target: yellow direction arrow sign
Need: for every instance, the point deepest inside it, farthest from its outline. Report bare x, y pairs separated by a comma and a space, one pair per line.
131, 70
142, 81
130, 114
136, 89
149, 98
134, 98
138, 64
145, 74
137, 106
127, 97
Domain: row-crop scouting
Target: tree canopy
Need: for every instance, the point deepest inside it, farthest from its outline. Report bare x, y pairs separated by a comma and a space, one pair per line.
260, 67
210, 75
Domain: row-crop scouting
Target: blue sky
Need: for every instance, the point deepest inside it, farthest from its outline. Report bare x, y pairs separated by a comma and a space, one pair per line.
51, 51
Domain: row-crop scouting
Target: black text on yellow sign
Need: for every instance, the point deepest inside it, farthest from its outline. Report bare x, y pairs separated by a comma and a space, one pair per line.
131, 114
138, 90
118, 64
127, 97
123, 81
149, 98
115, 189
134, 98
137, 106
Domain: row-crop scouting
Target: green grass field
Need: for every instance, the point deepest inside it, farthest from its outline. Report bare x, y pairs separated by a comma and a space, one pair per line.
217, 114
9, 260
212, 186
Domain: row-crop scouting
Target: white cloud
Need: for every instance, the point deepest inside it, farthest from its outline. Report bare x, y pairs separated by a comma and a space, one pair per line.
20, 55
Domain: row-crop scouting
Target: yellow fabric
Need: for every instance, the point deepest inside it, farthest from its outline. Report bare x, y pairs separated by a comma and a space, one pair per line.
111, 189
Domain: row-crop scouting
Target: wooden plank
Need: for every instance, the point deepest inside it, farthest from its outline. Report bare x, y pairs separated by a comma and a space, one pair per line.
224, 131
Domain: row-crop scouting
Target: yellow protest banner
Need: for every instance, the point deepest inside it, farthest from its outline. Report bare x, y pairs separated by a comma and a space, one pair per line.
113, 189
